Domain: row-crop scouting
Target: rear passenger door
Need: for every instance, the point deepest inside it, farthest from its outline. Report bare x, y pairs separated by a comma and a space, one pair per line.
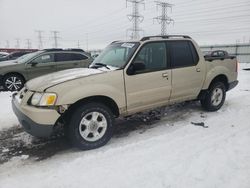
69, 60
188, 71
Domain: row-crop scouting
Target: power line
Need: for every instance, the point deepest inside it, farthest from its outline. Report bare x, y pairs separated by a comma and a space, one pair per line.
164, 19
55, 37
135, 18
40, 39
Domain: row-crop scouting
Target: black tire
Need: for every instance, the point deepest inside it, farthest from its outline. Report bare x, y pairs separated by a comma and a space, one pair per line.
16, 79
208, 103
73, 129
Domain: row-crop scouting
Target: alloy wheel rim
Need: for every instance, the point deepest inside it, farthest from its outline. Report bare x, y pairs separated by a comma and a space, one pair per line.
93, 126
13, 83
217, 96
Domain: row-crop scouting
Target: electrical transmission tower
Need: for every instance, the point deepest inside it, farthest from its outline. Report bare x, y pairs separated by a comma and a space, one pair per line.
28, 42
7, 44
17, 43
40, 39
55, 37
164, 20
135, 18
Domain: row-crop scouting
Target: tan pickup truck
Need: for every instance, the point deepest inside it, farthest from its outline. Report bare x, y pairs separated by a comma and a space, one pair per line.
126, 78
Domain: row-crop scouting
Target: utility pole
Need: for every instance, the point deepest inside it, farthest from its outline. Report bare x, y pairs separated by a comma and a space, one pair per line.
28, 42
40, 39
135, 18
7, 44
17, 43
164, 20
55, 37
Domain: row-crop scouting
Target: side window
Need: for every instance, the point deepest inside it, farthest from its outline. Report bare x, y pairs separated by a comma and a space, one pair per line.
70, 57
78, 57
221, 54
215, 54
63, 57
153, 55
46, 58
183, 54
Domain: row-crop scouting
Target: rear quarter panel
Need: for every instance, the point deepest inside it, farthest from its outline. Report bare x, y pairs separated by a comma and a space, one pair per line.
215, 68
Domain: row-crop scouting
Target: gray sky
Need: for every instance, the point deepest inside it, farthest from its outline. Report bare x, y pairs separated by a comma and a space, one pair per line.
101, 21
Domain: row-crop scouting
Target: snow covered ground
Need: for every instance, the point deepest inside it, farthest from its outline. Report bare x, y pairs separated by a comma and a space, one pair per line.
170, 153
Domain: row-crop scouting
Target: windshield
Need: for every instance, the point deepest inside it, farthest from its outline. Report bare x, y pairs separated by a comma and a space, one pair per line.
116, 54
26, 57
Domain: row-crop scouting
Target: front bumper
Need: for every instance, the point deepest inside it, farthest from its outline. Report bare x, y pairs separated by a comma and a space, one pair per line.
42, 122
233, 84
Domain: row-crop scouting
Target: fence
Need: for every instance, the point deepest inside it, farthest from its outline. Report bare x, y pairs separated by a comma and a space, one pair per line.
242, 51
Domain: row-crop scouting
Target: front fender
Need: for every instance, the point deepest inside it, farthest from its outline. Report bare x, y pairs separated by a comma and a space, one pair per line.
110, 85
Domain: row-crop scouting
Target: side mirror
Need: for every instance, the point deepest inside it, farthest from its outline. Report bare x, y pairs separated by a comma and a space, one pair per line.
135, 67
33, 64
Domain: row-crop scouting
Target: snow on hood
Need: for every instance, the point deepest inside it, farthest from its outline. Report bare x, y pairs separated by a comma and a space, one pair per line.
43, 82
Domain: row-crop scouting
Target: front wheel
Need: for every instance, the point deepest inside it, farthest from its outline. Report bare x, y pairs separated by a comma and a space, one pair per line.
13, 82
215, 97
91, 126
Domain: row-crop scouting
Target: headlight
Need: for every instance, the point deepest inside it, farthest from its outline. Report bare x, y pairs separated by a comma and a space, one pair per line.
43, 99
36, 99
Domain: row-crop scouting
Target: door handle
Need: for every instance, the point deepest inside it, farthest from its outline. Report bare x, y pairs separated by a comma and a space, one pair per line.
198, 70
165, 75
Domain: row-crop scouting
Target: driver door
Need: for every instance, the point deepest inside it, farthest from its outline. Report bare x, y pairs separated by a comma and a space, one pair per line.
150, 87
41, 65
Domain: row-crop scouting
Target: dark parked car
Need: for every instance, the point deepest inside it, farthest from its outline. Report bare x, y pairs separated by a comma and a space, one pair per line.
14, 73
217, 54
13, 55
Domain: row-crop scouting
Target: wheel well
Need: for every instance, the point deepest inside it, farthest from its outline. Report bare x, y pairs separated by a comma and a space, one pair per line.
16, 74
220, 78
110, 103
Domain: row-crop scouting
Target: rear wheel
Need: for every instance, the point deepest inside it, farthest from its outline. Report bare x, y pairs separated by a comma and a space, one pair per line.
215, 97
91, 126
13, 82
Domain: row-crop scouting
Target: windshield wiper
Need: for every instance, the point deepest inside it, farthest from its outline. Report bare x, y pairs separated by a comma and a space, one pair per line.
97, 65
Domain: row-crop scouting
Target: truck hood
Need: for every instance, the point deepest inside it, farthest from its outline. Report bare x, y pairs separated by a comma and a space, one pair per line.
43, 82
7, 63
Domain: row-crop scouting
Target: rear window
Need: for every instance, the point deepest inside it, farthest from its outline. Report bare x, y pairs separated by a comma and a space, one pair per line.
70, 57
183, 54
